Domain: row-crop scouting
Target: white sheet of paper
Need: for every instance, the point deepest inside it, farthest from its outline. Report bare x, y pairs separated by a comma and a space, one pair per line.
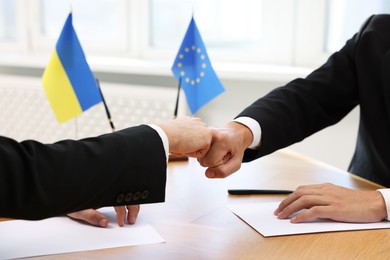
260, 217
21, 238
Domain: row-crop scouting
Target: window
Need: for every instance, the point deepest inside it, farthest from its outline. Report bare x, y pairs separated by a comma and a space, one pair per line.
12, 36
100, 25
345, 18
224, 23
279, 32
246, 30
7, 21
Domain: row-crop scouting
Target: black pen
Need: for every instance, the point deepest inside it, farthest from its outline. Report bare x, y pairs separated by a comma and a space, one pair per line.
255, 191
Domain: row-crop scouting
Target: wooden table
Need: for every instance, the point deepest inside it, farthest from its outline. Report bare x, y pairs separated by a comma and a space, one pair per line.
196, 224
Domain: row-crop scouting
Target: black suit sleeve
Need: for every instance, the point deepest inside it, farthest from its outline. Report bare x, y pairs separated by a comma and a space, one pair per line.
42, 180
293, 112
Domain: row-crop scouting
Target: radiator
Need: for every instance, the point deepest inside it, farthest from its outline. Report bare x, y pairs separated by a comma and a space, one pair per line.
25, 112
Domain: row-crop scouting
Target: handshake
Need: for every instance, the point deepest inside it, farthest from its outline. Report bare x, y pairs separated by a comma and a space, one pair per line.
219, 149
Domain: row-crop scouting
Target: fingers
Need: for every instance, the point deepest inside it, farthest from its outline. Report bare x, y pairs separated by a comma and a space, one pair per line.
132, 214
98, 219
230, 166
332, 202
303, 202
218, 151
90, 216
220, 160
296, 195
308, 198
129, 212
199, 153
312, 214
120, 215
226, 151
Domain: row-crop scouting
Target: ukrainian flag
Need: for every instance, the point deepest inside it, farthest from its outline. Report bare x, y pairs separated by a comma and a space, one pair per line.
68, 82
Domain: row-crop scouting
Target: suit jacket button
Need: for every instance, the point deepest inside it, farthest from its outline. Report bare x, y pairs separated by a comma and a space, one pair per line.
137, 196
145, 194
120, 198
129, 197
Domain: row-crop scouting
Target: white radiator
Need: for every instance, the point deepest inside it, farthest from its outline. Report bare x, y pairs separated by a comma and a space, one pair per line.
26, 114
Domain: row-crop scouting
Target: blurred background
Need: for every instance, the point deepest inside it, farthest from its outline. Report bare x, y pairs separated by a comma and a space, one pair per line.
254, 46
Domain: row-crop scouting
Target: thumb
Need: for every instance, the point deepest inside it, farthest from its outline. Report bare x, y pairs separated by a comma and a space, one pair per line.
225, 169
90, 216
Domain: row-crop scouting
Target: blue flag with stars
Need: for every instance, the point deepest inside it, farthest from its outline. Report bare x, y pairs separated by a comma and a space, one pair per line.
193, 70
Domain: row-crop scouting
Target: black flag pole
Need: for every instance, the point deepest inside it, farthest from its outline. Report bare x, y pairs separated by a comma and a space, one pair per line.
171, 156
106, 107
177, 99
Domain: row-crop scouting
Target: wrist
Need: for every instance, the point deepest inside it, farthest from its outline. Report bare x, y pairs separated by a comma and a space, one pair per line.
164, 138
242, 132
255, 129
167, 129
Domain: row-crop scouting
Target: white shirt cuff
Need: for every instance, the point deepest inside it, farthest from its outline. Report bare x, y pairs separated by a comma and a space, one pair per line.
163, 137
255, 128
386, 196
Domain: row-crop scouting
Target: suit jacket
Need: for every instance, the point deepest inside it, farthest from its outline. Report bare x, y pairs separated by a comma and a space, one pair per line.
39, 181
358, 74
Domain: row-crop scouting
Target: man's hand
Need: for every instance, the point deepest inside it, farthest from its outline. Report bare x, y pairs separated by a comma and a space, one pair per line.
227, 150
328, 201
188, 136
132, 213
98, 219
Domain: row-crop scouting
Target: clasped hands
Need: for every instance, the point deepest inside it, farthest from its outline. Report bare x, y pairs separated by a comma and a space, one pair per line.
221, 151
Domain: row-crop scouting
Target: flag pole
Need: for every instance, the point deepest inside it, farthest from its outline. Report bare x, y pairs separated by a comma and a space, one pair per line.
172, 157
177, 99
106, 107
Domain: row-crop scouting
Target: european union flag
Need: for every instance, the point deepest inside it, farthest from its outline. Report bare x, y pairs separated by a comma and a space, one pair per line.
192, 68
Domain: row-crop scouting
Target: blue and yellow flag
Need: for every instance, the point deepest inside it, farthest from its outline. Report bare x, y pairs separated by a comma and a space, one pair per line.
192, 68
69, 83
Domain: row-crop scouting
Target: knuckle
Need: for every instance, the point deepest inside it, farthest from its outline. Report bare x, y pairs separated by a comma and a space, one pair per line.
315, 210
305, 200
203, 164
327, 184
298, 192
218, 136
203, 161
